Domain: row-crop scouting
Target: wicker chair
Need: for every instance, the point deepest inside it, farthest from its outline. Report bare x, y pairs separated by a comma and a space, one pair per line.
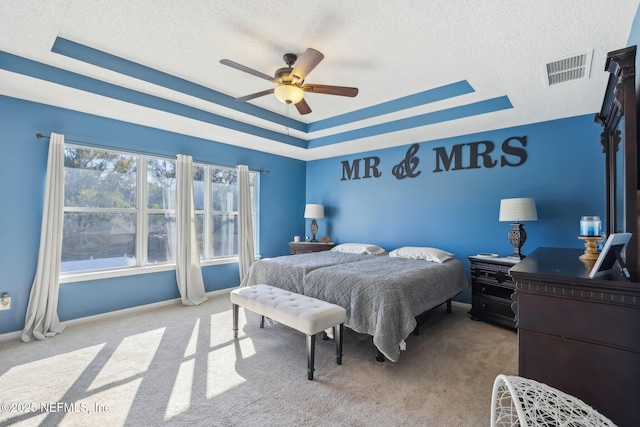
518, 401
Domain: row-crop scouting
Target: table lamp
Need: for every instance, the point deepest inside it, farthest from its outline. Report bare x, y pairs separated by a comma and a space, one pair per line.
313, 212
516, 210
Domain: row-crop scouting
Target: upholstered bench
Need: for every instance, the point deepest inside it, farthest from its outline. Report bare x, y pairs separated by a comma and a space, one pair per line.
306, 314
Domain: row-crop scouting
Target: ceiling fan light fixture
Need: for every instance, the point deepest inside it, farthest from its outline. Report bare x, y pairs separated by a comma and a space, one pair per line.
289, 80
289, 94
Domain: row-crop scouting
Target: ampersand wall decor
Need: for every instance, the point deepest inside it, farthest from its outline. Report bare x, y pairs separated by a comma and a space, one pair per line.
406, 168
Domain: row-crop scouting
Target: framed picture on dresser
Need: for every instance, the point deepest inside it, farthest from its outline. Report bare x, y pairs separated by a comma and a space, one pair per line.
611, 252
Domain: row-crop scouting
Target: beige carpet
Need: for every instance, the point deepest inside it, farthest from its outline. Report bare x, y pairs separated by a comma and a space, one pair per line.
180, 366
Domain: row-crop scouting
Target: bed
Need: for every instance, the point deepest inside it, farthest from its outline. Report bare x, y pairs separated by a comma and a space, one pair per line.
288, 272
383, 294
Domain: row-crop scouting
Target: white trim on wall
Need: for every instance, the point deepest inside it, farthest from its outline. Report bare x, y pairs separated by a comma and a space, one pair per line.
463, 305
69, 323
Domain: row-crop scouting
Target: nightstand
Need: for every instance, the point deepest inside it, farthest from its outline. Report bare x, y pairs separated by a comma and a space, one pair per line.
491, 289
306, 247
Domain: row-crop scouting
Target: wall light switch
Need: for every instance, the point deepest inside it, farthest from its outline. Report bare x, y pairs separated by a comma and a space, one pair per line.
5, 302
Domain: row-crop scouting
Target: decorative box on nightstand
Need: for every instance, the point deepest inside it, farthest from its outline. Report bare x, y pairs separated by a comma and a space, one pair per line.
491, 289
306, 247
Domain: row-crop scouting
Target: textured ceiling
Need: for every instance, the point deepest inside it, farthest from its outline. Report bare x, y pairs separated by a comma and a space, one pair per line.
425, 69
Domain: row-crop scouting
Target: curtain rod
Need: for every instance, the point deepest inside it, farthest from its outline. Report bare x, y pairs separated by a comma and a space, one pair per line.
91, 144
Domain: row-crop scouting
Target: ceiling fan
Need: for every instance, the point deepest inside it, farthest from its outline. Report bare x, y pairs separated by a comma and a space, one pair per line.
290, 87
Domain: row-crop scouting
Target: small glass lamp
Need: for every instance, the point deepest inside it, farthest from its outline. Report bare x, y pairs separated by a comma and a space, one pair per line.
516, 210
313, 212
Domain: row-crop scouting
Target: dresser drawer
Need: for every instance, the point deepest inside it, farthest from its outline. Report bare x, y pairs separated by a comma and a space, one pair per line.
484, 305
493, 290
563, 315
486, 273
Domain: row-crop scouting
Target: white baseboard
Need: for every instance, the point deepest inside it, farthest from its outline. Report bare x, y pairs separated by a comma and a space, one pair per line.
464, 305
17, 334
10, 336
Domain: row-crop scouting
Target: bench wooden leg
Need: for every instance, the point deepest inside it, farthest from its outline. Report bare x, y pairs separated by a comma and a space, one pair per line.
235, 320
337, 336
311, 352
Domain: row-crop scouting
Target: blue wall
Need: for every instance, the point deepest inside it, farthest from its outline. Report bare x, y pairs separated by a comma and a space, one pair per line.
457, 210
23, 173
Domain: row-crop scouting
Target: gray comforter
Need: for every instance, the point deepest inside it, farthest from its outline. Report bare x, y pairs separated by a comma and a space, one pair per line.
382, 295
288, 272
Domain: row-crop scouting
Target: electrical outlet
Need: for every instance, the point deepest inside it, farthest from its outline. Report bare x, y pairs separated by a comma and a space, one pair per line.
5, 302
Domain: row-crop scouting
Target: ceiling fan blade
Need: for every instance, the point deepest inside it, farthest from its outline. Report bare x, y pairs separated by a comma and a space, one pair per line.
310, 58
303, 107
247, 70
331, 90
254, 95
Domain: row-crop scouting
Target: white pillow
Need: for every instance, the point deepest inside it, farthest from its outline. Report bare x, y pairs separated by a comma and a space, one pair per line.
427, 254
358, 248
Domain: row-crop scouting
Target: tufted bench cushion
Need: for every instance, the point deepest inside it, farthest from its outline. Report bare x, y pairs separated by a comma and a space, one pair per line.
306, 314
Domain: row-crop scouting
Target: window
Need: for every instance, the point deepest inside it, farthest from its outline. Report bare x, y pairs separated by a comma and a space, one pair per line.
224, 205
100, 212
216, 205
161, 214
119, 211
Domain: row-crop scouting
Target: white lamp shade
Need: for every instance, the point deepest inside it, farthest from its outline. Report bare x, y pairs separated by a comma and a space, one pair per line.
314, 211
289, 94
519, 209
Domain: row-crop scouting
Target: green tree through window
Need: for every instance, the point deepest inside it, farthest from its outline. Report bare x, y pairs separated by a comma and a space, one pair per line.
108, 193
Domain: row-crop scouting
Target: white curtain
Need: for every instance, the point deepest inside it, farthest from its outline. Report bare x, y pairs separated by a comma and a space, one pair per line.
188, 271
245, 223
41, 320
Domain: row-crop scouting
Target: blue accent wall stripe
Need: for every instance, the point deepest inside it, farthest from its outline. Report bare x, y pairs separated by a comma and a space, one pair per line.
52, 74
120, 65
426, 97
474, 109
96, 57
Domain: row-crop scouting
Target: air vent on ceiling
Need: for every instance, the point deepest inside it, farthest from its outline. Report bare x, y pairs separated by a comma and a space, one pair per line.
572, 68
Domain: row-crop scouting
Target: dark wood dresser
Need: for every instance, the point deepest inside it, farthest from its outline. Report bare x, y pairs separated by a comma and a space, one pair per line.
491, 289
579, 335
306, 247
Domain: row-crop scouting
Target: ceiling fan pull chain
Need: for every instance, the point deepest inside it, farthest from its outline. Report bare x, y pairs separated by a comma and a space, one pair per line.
286, 127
